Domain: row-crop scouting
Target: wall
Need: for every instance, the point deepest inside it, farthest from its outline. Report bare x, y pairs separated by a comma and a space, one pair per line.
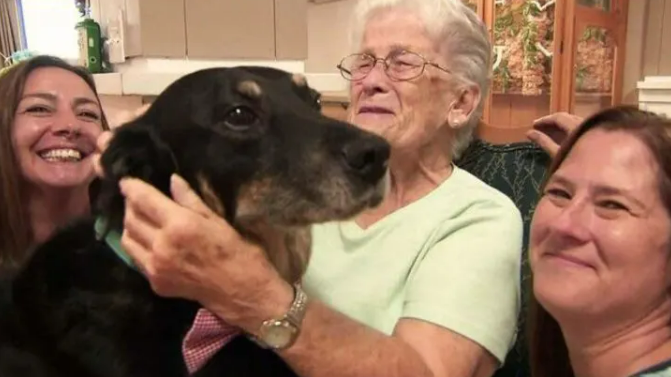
657, 50
633, 65
117, 108
648, 44
328, 39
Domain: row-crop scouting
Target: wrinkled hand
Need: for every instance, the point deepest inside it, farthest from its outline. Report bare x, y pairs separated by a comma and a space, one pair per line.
551, 130
185, 250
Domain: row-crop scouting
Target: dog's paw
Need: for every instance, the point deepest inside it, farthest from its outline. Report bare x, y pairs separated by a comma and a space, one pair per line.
137, 152
134, 151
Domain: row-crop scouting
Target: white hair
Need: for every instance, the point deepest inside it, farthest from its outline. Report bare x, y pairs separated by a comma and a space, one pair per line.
464, 43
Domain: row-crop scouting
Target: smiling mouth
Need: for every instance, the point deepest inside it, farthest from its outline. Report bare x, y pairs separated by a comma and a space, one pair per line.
571, 260
62, 155
374, 110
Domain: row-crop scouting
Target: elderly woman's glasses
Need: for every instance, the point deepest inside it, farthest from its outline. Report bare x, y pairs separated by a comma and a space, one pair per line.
400, 66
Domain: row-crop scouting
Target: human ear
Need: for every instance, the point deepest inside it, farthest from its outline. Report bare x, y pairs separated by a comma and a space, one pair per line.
462, 106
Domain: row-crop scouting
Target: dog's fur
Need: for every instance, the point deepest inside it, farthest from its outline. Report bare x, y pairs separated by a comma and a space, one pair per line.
254, 146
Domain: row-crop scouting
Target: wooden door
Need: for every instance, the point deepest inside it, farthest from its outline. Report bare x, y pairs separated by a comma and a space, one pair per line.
526, 65
551, 55
594, 55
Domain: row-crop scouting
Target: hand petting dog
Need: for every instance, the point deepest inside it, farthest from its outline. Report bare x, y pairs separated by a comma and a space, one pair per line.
179, 246
187, 251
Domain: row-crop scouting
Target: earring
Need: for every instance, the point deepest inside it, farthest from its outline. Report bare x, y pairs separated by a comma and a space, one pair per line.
454, 123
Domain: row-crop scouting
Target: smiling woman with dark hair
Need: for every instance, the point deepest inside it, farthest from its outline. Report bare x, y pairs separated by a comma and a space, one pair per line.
50, 118
600, 251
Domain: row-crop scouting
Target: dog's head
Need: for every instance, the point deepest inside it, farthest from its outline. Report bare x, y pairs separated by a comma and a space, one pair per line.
253, 144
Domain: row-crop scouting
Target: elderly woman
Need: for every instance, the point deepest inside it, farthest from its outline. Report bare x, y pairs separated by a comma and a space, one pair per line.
50, 119
600, 251
425, 285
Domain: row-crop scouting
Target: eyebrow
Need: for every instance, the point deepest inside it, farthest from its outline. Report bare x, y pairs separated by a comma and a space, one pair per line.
52, 98
600, 189
396, 47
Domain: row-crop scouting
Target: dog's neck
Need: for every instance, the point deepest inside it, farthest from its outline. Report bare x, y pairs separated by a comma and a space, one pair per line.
113, 240
288, 249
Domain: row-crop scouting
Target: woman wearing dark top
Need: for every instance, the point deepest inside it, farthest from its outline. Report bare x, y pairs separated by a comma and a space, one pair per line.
50, 118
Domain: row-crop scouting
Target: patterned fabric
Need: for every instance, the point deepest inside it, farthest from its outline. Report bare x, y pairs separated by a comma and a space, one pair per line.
206, 336
518, 170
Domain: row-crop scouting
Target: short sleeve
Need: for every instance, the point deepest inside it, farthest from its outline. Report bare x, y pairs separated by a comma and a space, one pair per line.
469, 281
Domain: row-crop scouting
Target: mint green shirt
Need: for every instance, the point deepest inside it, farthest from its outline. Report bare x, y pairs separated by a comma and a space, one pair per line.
660, 370
451, 258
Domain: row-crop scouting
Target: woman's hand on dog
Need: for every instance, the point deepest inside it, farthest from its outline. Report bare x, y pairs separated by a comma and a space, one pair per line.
185, 250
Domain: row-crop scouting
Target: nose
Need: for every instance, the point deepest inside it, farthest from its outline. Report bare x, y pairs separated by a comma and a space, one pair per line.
573, 221
66, 125
376, 79
367, 158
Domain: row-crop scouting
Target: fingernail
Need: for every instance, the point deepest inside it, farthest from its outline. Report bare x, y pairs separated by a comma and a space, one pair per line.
123, 185
174, 180
177, 182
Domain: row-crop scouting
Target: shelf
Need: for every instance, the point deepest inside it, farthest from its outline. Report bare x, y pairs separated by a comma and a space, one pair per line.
149, 77
498, 93
592, 95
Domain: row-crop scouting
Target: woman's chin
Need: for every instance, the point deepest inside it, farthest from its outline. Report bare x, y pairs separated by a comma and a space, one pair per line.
62, 177
375, 123
563, 299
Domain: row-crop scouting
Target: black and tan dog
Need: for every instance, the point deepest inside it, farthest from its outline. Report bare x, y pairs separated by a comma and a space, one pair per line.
253, 144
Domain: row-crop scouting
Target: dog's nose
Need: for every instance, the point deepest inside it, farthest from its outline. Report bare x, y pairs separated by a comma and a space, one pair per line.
367, 158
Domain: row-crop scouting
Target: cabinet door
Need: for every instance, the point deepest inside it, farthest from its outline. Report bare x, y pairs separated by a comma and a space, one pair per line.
526, 35
594, 56
478, 6
230, 29
291, 29
162, 28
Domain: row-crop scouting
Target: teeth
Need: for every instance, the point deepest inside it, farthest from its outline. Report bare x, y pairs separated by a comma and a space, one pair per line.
62, 155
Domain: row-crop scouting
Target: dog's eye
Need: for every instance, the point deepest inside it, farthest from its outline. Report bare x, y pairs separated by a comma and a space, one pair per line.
241, 118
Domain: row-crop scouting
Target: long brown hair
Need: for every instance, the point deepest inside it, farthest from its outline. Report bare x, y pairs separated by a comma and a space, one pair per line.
548, 354
15, 226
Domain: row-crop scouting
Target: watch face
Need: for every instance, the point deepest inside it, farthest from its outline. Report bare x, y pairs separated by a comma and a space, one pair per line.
278, 333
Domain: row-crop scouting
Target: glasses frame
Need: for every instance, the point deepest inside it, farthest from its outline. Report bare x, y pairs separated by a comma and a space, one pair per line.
385, 61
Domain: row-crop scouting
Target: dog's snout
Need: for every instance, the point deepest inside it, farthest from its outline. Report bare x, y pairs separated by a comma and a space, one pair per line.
367, 158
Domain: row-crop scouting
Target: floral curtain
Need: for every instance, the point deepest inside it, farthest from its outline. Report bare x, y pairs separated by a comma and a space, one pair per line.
10, 29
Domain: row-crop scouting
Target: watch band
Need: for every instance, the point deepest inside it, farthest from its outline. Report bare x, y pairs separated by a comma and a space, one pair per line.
297, 310
293, 318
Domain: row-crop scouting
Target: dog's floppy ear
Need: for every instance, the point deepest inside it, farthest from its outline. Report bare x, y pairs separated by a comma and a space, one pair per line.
137, 151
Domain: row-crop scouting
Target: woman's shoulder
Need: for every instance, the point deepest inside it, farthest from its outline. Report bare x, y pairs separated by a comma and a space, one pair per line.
467, 191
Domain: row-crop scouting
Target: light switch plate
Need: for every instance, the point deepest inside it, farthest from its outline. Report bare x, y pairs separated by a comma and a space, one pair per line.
115, 38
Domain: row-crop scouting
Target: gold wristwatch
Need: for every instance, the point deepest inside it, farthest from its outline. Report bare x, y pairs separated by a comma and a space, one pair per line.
281, 333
